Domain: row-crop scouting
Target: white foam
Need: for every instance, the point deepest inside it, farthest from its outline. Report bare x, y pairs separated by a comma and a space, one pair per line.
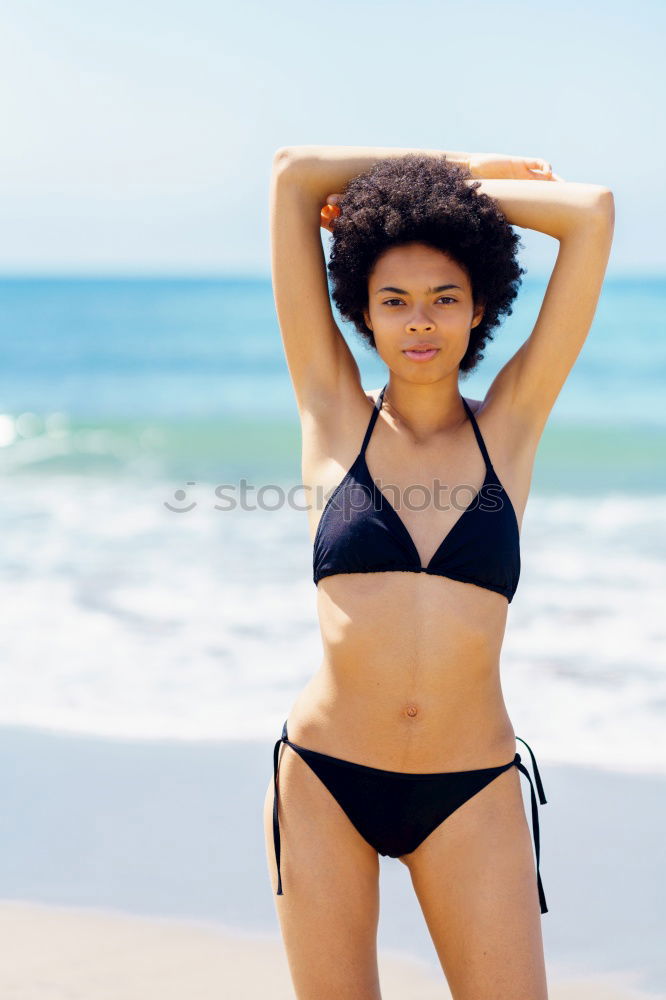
133, 621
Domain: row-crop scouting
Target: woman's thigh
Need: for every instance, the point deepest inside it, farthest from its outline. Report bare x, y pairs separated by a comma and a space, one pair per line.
475, 880
329, 910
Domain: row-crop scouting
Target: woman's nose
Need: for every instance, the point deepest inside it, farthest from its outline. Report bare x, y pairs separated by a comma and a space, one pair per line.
419, 323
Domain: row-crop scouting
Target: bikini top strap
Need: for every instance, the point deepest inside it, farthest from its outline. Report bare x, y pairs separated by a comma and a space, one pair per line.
475, 427
373, 419
479, 438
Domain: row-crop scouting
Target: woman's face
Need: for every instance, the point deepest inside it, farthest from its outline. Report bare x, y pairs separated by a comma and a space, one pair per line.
420, 310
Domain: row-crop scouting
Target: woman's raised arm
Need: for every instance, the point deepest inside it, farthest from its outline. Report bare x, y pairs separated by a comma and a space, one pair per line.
555, 209
328, 168
582, 218
320, 364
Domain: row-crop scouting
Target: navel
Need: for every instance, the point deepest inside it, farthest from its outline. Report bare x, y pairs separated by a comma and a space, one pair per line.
411, 711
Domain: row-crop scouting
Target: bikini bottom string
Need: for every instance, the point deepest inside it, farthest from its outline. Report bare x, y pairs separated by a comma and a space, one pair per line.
535, 815
276, 824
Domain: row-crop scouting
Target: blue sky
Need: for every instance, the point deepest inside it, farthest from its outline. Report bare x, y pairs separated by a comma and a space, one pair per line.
138, 137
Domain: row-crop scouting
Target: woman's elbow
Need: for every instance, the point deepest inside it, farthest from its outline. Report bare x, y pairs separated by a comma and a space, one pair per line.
606, 203
281, 156
284, 162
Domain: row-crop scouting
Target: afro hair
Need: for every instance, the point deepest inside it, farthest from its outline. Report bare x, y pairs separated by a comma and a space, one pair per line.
425, 199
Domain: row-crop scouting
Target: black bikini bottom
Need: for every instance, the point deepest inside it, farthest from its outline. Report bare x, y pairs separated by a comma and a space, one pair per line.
395, 811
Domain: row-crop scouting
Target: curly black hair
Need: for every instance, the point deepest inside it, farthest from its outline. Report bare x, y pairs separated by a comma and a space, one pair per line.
423, 198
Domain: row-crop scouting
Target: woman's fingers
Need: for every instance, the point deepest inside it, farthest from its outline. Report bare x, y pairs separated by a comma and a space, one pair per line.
328, 214
542, 167
330, 211
500, 165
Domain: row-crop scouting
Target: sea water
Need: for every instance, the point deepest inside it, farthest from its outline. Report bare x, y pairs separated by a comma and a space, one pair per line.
136, 603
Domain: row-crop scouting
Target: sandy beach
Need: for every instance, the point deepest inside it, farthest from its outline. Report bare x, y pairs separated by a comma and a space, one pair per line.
137, 869
53, 953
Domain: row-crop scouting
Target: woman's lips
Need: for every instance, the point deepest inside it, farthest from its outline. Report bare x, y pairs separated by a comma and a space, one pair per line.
424, 355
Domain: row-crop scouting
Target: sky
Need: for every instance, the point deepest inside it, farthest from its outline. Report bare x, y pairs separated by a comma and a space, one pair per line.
138, 136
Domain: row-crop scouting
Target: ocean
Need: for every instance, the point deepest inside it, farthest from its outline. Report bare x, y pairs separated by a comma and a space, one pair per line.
137, 606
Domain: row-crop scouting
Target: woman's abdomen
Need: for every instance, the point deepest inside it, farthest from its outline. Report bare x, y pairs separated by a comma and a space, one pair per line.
409, 679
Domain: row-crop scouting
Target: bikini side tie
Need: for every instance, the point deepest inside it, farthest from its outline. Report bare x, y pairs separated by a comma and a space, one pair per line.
276, 822
535, 815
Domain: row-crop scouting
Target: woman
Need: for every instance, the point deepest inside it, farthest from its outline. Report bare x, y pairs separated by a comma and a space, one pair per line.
401, 743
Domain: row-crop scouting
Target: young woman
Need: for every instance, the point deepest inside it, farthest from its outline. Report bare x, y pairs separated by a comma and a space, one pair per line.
401, 744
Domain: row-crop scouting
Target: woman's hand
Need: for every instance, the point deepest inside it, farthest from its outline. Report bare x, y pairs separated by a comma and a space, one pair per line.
330, 212
513, 168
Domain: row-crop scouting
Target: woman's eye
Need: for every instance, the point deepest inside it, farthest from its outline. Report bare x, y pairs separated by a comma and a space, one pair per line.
447, 297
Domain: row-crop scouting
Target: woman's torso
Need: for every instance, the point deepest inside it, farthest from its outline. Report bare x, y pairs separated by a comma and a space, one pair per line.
409, 679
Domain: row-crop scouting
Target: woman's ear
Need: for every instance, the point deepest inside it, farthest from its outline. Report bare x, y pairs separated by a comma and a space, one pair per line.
366, 317
478, 315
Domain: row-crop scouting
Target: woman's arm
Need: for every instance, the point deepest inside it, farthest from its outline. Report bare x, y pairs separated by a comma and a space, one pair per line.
323, 169
555, 209
322, 368
581, 217
328, 168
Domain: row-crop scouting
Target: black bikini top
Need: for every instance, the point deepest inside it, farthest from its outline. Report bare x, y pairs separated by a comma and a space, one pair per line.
361, 532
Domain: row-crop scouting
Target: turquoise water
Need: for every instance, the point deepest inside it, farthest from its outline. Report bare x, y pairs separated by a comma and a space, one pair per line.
187, 379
